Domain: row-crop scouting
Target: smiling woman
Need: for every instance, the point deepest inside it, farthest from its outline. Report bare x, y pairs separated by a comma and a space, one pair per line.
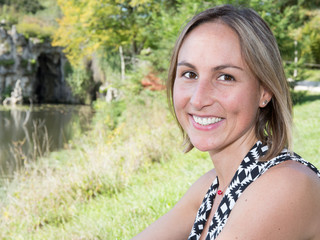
221, 87
231, 98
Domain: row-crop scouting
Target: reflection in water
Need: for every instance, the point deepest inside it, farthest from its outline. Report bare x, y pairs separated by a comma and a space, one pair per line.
25, 132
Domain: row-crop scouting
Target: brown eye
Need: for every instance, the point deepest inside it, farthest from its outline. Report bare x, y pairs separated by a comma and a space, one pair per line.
190, 75
226, 77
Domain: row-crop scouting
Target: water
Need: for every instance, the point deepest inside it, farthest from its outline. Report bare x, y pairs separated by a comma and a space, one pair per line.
29, 132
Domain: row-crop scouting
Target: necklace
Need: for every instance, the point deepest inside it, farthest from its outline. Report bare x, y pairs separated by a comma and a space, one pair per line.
220, 192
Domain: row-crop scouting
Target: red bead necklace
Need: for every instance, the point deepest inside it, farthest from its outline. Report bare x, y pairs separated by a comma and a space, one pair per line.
220, 192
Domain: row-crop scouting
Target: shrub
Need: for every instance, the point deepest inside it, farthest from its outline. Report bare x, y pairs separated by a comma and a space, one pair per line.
80, 82
297, 96
35, 30
6, 62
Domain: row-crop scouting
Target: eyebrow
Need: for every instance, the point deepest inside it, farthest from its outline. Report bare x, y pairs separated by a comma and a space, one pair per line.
184, 63
217, 68
220, 67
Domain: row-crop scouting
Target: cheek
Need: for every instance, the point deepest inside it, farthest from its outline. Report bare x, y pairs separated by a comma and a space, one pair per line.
178, 97
180, 101
242, 103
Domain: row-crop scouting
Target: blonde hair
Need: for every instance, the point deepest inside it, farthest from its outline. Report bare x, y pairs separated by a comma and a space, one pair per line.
260, 51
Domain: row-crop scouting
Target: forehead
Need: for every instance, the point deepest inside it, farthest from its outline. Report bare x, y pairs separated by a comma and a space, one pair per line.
211, 39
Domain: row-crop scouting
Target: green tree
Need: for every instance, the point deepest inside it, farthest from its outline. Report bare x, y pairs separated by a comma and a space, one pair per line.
92, 24
26, 6
292, 21
309, 36
147, 29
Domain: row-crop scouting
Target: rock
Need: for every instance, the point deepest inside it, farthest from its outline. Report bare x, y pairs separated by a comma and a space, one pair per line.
109, 93
16, 95
38, 65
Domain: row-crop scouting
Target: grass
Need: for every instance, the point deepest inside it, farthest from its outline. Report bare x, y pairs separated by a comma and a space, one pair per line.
148, 195
122, 176
313, 75
307, 128
49, 194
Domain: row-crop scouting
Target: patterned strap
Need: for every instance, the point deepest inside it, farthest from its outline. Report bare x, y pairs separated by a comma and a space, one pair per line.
249, 170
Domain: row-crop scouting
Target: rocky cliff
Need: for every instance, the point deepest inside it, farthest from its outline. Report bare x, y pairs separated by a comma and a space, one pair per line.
38, 65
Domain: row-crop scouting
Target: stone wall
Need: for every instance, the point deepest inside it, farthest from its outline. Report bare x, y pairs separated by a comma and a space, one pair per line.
38, 65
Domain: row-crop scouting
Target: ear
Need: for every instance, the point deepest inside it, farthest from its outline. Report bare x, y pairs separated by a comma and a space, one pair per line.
265, 96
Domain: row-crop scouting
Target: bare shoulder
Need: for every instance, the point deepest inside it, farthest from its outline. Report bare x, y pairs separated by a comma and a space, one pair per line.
284, 203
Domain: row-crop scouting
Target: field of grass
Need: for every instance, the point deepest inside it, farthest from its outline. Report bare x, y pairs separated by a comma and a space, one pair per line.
124, 174
313, 75
307, 128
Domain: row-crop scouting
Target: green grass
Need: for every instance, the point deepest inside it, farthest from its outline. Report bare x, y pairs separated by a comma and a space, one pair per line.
307, 129
49, 194
313, 75
112, 184
150, 193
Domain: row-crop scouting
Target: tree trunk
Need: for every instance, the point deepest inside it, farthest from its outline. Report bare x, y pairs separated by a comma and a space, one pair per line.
123, 66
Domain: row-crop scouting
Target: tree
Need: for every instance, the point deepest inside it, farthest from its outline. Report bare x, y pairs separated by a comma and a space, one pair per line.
148, 28
92, 24
26, 6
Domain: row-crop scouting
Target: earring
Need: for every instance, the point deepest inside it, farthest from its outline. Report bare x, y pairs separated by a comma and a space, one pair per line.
265, 102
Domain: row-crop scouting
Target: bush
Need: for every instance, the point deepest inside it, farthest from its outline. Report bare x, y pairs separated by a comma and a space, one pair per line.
9, 14
80, 82
6, 62
108, 115
297, 96
35, 30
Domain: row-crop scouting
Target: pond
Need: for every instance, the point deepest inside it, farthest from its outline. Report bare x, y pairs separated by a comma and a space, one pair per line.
30, 132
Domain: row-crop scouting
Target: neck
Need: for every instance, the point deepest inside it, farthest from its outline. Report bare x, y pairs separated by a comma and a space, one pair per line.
227, 160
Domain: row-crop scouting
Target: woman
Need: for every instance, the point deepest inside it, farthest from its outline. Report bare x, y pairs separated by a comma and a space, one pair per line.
231, 98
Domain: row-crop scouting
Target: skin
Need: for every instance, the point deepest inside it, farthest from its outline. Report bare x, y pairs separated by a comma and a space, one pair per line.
214, 81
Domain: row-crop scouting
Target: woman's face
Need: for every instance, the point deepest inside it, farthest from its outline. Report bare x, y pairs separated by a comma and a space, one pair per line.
216, 97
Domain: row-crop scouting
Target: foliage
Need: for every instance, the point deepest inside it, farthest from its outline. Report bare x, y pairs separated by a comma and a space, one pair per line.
147, 29
26, 6
35, 29
80, 81
32, 17
288, 19
91, 25
313, 75
109, 113
9, 14
310, 35
6, 62
7, 92
297, 96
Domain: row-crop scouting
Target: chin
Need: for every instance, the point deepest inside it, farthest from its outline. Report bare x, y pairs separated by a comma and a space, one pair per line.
202, 147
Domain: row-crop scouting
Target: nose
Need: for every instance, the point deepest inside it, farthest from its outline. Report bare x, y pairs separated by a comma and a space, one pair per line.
202, 95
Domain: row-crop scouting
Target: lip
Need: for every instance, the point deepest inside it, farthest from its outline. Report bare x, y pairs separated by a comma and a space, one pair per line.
205, 127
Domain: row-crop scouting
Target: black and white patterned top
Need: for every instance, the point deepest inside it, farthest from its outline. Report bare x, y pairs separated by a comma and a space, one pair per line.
249, 170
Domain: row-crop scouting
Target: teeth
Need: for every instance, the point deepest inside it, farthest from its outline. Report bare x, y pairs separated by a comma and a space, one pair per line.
206, 121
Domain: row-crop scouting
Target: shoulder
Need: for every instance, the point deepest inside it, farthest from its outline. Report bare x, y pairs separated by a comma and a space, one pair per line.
291, 178
291, 182
284, 203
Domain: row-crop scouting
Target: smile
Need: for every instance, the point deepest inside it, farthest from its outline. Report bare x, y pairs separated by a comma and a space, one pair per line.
204, 121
